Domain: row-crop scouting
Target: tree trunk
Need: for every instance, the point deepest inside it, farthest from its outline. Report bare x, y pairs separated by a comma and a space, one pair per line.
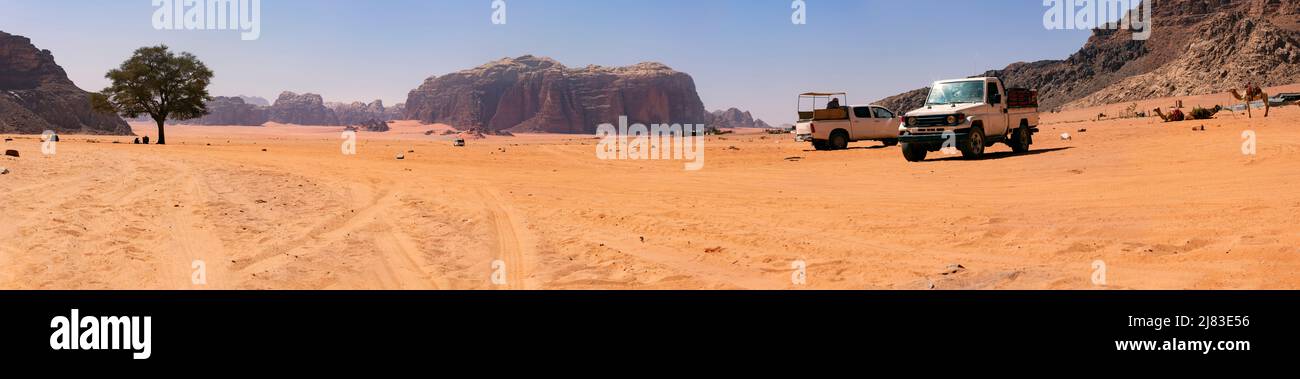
162, 137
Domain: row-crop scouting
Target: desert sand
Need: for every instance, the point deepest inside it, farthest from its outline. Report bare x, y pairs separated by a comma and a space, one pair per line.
1163, 206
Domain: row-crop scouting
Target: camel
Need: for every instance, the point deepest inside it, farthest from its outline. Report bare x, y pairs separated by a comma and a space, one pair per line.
1174, 116
1252, 93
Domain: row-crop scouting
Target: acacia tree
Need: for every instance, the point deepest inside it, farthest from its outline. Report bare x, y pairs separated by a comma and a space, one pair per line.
160, 84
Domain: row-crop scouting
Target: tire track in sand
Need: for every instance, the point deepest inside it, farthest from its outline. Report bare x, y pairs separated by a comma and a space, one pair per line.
509, 248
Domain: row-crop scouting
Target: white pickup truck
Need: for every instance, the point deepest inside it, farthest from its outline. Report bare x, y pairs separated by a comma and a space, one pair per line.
833, 127
970, 115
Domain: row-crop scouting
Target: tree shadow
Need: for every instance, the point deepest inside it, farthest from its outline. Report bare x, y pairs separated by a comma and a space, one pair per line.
1002, 155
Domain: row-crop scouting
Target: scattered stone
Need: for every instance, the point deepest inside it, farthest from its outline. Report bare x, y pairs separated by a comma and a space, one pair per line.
733, 148
400, 157
1066, 137
1083, 130
794, 159
9, 139
4, 171
263, 150
1198, 128
714, 250
12, 153
952, 269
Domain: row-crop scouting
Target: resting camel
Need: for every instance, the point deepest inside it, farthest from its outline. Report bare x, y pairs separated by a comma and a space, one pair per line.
1174, 116
1252, 93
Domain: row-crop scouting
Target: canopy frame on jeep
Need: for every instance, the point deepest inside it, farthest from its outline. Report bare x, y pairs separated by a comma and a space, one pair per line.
815, 114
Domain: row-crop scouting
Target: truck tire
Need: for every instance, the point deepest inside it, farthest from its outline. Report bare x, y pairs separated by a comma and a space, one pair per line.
820, 145
974, 146
890, 142
839, 140
914, 153
1020, 140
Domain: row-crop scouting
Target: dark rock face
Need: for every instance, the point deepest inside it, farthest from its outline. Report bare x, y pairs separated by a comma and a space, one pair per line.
233, 111
538, 94
1197, 47
36, 95
735, 118
304, 109
374, 125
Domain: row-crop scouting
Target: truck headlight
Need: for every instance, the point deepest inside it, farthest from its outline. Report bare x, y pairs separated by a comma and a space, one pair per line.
911, 121
952, 120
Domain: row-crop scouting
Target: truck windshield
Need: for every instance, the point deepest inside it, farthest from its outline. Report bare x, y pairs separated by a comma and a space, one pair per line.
956, 93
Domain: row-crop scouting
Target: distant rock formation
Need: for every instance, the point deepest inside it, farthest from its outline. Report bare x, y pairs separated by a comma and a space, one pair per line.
255, 100
304, 109
36, 95
232, 111
537, 94
358, 113
735, 118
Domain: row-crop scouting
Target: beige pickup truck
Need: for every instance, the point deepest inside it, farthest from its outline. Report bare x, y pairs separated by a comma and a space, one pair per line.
830, 126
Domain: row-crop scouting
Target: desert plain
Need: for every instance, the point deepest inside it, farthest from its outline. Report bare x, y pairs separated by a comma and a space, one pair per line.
1158, 205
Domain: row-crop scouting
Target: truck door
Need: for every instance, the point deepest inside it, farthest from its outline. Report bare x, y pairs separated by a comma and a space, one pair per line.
863, 123
996, 123
884, 126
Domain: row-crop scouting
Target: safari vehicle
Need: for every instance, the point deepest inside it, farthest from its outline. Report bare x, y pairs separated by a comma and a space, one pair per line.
832, 127
970, 115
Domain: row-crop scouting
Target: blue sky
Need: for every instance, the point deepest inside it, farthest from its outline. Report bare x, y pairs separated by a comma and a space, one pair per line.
742, 53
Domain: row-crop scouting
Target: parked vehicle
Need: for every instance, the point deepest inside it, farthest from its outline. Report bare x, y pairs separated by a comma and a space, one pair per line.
833, 127
970, 115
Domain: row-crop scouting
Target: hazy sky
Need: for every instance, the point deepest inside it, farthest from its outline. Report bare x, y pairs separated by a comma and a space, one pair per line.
742, 53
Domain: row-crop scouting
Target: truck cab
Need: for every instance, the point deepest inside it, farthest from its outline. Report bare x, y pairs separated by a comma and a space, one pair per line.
833, 126
970, 115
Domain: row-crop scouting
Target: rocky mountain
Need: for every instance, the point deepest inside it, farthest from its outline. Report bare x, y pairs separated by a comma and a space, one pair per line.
1196, 47
232, 111
36, 95
304, 109
734, 118
538, 94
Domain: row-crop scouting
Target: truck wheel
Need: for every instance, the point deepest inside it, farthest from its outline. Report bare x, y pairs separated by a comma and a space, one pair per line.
914, 153
821, 145
839, 141
974, 146
1020, 141
890, 142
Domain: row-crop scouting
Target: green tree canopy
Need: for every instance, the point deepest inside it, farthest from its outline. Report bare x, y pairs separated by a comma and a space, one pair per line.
158, 83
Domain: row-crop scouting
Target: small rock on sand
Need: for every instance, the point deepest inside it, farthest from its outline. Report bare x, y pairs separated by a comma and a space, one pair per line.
4, 171
401, 157
952, 269
12, 153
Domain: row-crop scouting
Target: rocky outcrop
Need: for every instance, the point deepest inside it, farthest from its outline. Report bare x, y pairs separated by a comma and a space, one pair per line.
536, 94
1197, 47
735, 118
233, 111
36, 95
304, 109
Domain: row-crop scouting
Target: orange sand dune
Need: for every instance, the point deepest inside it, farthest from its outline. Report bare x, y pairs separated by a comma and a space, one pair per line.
1164, 207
